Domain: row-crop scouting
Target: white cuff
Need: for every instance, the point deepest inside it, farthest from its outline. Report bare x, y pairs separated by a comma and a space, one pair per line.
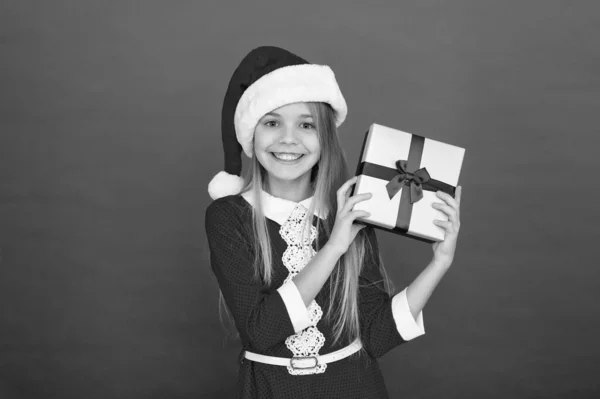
295, 306
407, 326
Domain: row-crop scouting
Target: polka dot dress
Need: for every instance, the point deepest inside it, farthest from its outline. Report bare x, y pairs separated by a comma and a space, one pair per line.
264, 324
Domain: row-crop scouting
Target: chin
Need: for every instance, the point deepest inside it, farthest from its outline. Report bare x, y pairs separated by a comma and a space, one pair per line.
282, 176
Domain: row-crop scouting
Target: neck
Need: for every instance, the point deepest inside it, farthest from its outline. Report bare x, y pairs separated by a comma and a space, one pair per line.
295, 191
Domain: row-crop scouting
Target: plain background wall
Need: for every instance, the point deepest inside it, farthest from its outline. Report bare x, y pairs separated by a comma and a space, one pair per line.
110, 133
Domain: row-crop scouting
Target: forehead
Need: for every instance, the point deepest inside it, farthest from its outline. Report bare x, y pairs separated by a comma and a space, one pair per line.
293, 110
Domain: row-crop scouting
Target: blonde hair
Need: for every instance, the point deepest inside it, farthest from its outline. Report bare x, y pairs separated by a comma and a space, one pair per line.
327, 176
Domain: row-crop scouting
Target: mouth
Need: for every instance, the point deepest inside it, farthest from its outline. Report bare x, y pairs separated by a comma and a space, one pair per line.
287, 157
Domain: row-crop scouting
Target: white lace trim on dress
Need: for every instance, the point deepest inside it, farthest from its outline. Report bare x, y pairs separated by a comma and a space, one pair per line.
309, 341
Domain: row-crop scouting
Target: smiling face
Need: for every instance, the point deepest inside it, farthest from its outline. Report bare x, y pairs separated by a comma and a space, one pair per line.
286, 143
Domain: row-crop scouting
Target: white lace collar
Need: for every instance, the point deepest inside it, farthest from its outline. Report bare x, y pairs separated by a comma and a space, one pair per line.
279, 209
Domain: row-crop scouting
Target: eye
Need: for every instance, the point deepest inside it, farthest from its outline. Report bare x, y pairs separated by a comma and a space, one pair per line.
307, 125
270, 123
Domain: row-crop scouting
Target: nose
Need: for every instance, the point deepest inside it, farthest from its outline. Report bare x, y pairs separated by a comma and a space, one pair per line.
288, 135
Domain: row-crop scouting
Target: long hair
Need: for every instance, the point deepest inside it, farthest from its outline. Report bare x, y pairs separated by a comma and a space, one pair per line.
327, 176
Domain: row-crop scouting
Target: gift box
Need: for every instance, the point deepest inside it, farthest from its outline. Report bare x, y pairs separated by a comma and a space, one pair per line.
403, 171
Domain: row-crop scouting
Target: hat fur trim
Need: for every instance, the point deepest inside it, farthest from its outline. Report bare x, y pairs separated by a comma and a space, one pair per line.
286, 85
224, 184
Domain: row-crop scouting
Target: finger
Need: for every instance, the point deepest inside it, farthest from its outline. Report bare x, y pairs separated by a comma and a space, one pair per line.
352, 216
358, 214
447, 198
458, 194
356, 228
341, 194
348, 183
355, 199
449, 227
447, 209
343, 191
446, 225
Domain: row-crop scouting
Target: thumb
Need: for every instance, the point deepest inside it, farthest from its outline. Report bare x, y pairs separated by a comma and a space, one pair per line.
356, 228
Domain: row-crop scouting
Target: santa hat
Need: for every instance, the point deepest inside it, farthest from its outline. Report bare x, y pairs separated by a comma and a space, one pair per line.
267, 78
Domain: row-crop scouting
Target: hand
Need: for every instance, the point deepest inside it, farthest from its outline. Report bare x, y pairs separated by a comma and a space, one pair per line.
344, 230
443, 251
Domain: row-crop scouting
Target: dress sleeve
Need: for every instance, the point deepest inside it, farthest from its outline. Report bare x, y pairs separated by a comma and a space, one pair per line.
260, 313
386, 322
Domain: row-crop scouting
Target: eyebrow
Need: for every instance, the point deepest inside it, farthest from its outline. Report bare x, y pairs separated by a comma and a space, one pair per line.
276, 114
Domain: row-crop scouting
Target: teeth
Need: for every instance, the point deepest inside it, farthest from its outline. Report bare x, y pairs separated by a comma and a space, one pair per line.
284, 156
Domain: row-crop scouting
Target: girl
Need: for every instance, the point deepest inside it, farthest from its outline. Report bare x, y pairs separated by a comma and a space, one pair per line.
304, 283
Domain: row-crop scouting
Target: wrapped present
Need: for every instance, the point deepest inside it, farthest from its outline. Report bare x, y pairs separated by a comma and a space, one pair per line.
403, 171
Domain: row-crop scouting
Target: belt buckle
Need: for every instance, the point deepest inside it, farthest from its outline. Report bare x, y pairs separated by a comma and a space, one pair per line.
303, 360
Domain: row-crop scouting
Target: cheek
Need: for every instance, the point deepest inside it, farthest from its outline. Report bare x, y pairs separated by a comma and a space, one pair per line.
260, 140
317, 152
314, 146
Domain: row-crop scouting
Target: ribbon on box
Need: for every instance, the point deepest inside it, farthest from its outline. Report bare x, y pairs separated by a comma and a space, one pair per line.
405, 178
406, 174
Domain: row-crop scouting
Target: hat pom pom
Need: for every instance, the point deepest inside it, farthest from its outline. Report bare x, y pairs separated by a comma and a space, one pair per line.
224, 184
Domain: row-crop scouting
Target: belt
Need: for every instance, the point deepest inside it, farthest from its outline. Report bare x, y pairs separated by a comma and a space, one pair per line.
305, 362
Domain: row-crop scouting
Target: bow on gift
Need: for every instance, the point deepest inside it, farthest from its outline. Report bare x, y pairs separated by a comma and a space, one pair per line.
413, 179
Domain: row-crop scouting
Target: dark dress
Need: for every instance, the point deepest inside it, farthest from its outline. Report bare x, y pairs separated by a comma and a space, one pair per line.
264, 324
